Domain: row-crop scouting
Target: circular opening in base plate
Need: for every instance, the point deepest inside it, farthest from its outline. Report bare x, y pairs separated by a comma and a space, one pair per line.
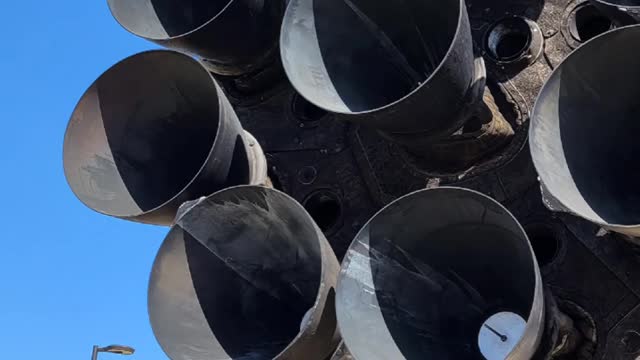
544, 241
509, 39
325, 208
587, 22
307, 175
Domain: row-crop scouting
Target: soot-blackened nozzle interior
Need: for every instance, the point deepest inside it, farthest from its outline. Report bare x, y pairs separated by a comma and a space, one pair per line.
425, 273
402, 68
154, 131
244, 273
583, 132
233, 37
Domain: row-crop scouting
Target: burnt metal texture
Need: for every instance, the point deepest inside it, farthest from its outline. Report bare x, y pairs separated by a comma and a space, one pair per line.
311, 151
413, 70
421, 287
582, 133
401, 68
244, 274
623, 12
233, 36
154, 131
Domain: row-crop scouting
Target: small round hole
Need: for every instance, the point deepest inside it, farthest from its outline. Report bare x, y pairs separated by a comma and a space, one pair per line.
588, 22
511, 44
324, 207
544, 241
307, 175
509, 39
306, 111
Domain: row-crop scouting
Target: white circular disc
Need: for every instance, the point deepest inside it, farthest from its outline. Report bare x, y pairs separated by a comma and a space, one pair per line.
500, 334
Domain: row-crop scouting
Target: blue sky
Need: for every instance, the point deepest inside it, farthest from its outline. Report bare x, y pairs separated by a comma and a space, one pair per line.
70, 277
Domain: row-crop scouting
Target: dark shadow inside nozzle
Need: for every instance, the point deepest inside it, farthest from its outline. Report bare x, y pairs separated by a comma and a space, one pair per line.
325, 208
156, 114
366, 54
180, 16
258, 277
160, 126
246, 320
440, 265
254, 261
162, 19
453, 281
239, 173
600, 143
584, 131
160, 119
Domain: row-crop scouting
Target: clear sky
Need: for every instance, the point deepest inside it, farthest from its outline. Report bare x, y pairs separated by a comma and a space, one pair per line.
69, 277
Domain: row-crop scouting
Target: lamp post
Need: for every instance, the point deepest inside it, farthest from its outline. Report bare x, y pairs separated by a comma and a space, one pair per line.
114, 349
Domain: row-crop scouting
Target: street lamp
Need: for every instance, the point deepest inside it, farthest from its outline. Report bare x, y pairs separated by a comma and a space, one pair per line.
114, 349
